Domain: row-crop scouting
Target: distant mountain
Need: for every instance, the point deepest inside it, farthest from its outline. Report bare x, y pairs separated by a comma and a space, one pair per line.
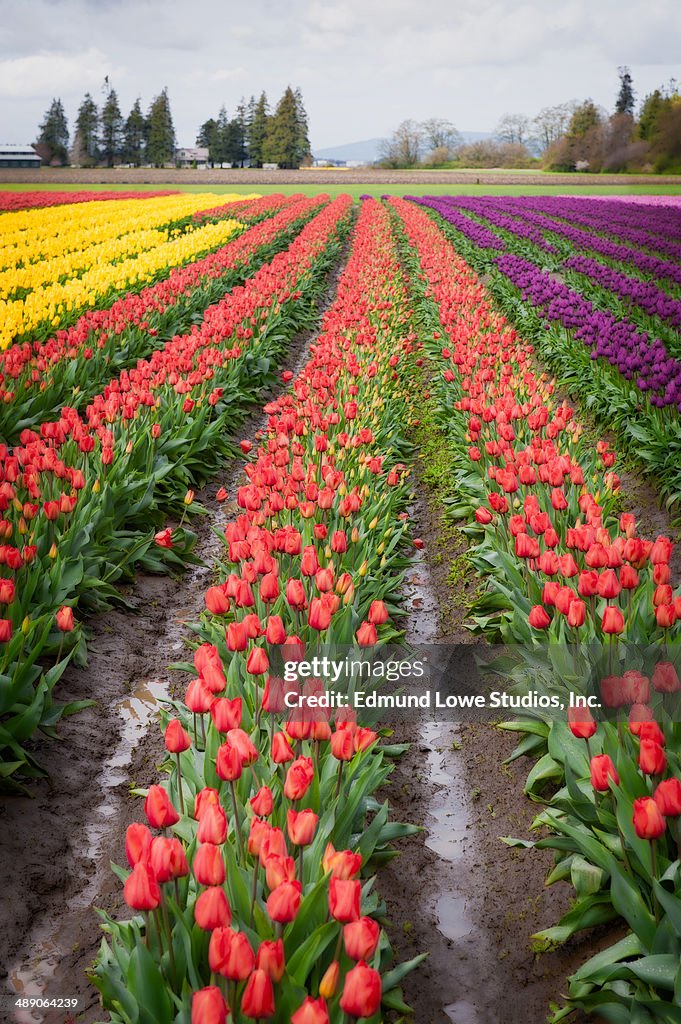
369, 150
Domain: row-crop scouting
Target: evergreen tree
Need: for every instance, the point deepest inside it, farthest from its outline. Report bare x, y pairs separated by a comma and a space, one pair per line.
625, 97
585, 117
53, 140
303, 141
208, 137
259, 119
222, 137
86, 143
239, 134
161, 139
283, 141
135, 135
112, 128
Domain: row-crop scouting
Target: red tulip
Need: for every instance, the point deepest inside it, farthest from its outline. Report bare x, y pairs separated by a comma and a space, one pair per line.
343, 864
284, 903
167, 859
141, 891
213, 825
270, 958
217, 601
212, 909
311, 1011
298, 778
366, 634
613, 620
158, 808
538, 618
65, 620
137, 843
208, 865
378, 613
665, 678
279, 870
263, 802
257, 1000
228, 763
237, 636
177, 739
204, 798
651, 758
602, 769
581, 723
164, 538
361, 938
649, 823
209, 1006
362, 991
301, 826
226, 713
668, 797
281, 749
344, 897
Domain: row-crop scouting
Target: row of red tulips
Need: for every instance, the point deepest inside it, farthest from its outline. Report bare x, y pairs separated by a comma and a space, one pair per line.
545, 494
37, 378
564, 567
80, 498
256, 897
25, 200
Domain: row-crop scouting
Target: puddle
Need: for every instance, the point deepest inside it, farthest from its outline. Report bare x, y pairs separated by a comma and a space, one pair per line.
462, 1012
451, 917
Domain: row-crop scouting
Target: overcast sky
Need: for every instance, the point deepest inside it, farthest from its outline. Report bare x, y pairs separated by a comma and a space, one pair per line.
363, 65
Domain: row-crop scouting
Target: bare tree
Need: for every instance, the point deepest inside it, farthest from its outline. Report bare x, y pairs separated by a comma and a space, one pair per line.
403, 149
439, 133
514, 128
550, 124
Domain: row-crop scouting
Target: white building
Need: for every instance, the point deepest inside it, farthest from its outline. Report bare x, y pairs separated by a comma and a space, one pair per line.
192, 156
18, 156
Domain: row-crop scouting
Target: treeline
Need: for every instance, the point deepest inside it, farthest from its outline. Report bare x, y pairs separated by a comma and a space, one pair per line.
103, 135
256, 136
567, 137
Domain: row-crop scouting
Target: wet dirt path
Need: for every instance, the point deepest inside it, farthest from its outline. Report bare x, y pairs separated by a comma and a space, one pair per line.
56, 845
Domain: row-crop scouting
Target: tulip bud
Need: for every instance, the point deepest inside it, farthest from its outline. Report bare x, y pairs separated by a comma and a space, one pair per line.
329, 983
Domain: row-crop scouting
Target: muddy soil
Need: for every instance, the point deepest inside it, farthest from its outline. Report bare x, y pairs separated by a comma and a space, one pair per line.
56, 845
66, 176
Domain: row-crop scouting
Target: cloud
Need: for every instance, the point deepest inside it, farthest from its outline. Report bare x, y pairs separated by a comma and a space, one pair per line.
43, 75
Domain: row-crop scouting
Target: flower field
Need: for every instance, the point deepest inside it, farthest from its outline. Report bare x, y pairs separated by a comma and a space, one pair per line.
148, 429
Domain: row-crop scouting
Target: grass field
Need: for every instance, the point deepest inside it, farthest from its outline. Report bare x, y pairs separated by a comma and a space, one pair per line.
374, 189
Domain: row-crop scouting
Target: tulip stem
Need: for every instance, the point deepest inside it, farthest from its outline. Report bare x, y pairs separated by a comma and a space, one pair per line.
203, 730
300, 863
237, 823
179, 782
61, 648
254, 889
171, 951
653, 861
339, 778
147, 927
